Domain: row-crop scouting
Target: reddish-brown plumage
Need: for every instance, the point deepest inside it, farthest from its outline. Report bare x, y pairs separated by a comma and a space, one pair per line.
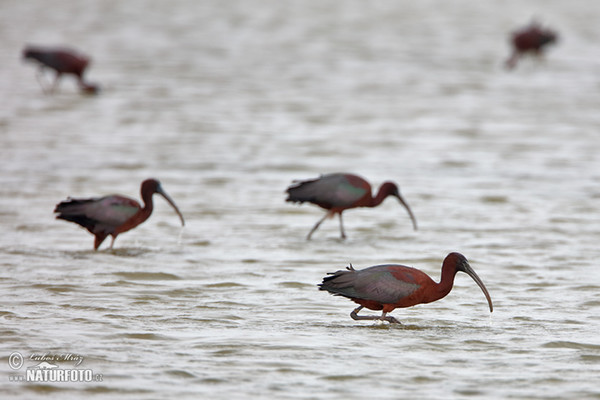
339, 192
390, 286
531, 39
112, 215
64, 62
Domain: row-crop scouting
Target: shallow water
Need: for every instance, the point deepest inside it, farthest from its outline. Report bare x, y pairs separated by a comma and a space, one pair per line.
227, 103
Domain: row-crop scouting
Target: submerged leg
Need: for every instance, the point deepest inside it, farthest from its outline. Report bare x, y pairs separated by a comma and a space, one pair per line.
512, 61
355, 316
342, 227
390, 319
99, 239
383, 317
39, 76
56, 81
316, 226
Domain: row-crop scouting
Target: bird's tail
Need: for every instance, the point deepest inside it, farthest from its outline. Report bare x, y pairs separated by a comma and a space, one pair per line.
73, 210
340, 282
301, 191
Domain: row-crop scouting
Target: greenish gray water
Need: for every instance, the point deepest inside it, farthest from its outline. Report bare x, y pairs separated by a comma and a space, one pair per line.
228, 102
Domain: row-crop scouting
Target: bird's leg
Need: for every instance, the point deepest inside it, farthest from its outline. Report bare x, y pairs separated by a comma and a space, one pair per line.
39, 76
99, 238
316, 226
342, 227
354, 315
512, 61
112, 241
390, 319
55, 84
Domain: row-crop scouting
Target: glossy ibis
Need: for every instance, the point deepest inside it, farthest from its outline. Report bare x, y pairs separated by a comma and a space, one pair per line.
390, 286
338, 192
530, 39
112, 215
62, 61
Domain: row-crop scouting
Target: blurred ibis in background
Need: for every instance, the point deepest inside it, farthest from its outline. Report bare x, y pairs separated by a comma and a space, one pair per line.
63, 61
112, 215
530, 39
338, 192
390, 286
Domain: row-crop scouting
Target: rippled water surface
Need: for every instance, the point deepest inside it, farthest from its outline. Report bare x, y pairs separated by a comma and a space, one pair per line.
227, 103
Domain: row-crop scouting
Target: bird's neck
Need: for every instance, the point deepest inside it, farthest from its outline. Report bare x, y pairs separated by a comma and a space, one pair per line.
148, 205
382, 193
444, 286
145, 212
139, 217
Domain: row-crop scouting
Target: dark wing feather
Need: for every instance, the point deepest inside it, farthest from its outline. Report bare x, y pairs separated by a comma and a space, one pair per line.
327, 191
374, 283
61, 60
102, 214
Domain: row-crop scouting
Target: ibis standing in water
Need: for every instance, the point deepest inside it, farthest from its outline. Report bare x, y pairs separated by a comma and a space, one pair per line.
63, 61
338, 192
390, 286
530, 39
112, 215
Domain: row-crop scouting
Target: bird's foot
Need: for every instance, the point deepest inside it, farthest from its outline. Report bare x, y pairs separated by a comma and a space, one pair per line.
391, 320
354, 315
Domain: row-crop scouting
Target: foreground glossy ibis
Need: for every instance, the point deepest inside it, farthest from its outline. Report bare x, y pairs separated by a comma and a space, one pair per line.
530, 39
338, 192
390, 286
112, 215
62, 61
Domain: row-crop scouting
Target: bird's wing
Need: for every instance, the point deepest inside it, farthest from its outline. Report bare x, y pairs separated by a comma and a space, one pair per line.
332, 190
114, 210
374, 283
378, 284
60, 59
108, 211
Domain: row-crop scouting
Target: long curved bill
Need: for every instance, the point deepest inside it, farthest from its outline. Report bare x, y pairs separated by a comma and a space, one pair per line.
469, 271
164, 194
412, 217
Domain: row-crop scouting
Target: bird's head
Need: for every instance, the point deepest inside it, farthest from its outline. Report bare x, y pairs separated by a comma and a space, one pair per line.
548, 37
391, 189
461, 264
151, 186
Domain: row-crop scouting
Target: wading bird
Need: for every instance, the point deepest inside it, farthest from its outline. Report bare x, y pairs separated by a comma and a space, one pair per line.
338, 192
390, 286
112, 215
62, 61
530, 39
